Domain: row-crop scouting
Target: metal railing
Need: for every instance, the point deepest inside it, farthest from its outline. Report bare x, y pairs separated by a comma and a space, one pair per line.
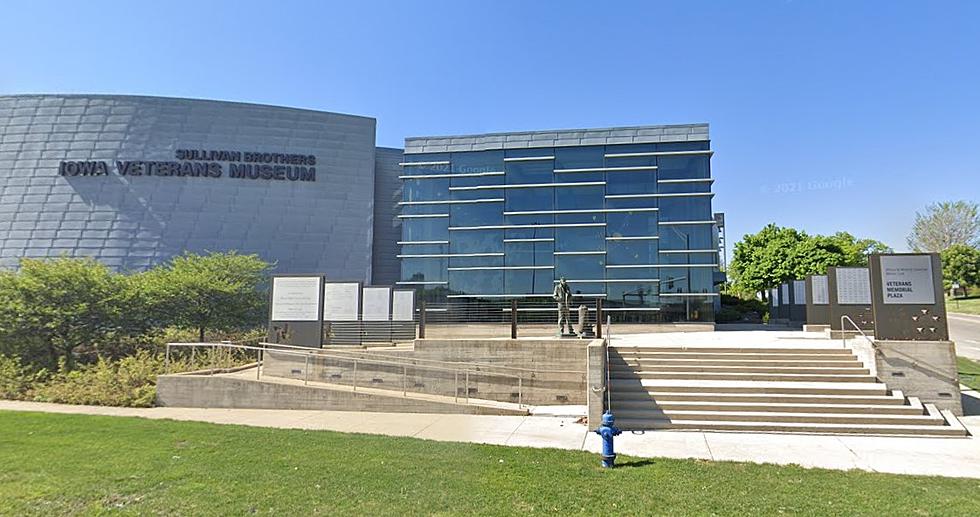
527, 317
355, 363
847, 318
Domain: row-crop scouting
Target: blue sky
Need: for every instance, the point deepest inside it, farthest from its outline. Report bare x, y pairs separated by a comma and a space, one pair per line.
825, 116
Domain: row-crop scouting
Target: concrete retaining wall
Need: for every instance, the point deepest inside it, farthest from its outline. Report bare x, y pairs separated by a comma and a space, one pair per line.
536, 387
228, 392
596, 396
923, 369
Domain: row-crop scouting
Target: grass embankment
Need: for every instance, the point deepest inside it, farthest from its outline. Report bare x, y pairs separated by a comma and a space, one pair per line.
969, 305
71, 464
969, 372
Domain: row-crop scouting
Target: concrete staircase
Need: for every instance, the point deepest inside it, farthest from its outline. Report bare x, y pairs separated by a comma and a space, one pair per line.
814, 390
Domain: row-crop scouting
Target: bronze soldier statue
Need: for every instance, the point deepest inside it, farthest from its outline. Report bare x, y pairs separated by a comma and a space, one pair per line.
563, 295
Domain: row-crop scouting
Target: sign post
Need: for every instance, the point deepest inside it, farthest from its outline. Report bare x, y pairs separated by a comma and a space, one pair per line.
295, 307
908, 297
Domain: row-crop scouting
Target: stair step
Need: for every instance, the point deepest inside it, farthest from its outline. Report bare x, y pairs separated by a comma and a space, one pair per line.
813, 363
620, 396
730, 350
766, 407
787, 427
750, 387
789, 377
740, 369
765, 416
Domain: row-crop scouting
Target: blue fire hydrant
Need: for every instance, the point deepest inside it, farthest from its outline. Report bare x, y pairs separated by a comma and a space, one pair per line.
607, 430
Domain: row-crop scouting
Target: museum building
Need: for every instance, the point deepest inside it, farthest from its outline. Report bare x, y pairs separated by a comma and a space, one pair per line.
624, 214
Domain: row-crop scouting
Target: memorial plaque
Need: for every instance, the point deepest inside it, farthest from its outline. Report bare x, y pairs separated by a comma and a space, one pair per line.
774, 297
799, 292
785, 293
907, 280
908, 297
341, 301
295, 305
376, 304
853, 286
296, 298
403, 305
850, 295
819, 289
817, 302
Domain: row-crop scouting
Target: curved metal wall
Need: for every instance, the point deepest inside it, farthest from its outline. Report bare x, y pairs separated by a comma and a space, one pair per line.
133, 222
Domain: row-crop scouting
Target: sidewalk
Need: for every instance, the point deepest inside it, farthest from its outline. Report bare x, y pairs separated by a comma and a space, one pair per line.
956, 457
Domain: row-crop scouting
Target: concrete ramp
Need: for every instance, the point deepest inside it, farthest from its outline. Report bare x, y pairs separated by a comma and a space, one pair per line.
241, 390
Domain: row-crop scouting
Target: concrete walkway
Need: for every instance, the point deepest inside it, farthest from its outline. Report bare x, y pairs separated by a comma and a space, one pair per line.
957, 457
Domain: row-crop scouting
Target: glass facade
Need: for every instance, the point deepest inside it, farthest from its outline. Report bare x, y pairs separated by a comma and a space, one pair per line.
629, 223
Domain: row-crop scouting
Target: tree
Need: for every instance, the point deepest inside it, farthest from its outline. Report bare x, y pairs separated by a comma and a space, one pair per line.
776, 255
53, 307
218, 291
961, 265
945, 224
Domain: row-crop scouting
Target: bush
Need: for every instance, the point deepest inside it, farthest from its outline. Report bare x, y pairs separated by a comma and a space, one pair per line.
15, 380
131, 381
735, 309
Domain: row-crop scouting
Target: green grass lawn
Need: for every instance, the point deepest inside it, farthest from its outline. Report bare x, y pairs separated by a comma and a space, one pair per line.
72, 464
969, 305
969, 372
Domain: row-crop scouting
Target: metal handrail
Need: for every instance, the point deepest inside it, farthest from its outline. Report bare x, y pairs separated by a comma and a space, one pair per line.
319, 353
454, 363
856, 327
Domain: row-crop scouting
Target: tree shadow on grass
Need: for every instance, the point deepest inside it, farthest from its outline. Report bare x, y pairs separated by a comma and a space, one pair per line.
635, 464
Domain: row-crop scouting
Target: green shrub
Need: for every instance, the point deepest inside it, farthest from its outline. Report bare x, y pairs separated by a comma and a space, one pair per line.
16, 380
130, 381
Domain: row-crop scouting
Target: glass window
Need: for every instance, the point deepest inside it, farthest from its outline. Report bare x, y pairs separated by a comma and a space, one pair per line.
578, 198
477, 161
702, 279
528, 281
637, 202
685, 208
579, 157
425, 229
683, 188
529, 233
476, 214
476, 282
683, 167
426, 190
529, 253
477, 194
584, 288
640, 295
538, 171
632, 252
689, 258
476, 241
475, 181
686, 237
580, 238
476, 261
687, 308
424, 170
631, 148
580, 267
631, 224
424, 209
530, 219
424, 249
529, 199
631, 182
583, 218
700, 145
645, 273
423, 269
675, 280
